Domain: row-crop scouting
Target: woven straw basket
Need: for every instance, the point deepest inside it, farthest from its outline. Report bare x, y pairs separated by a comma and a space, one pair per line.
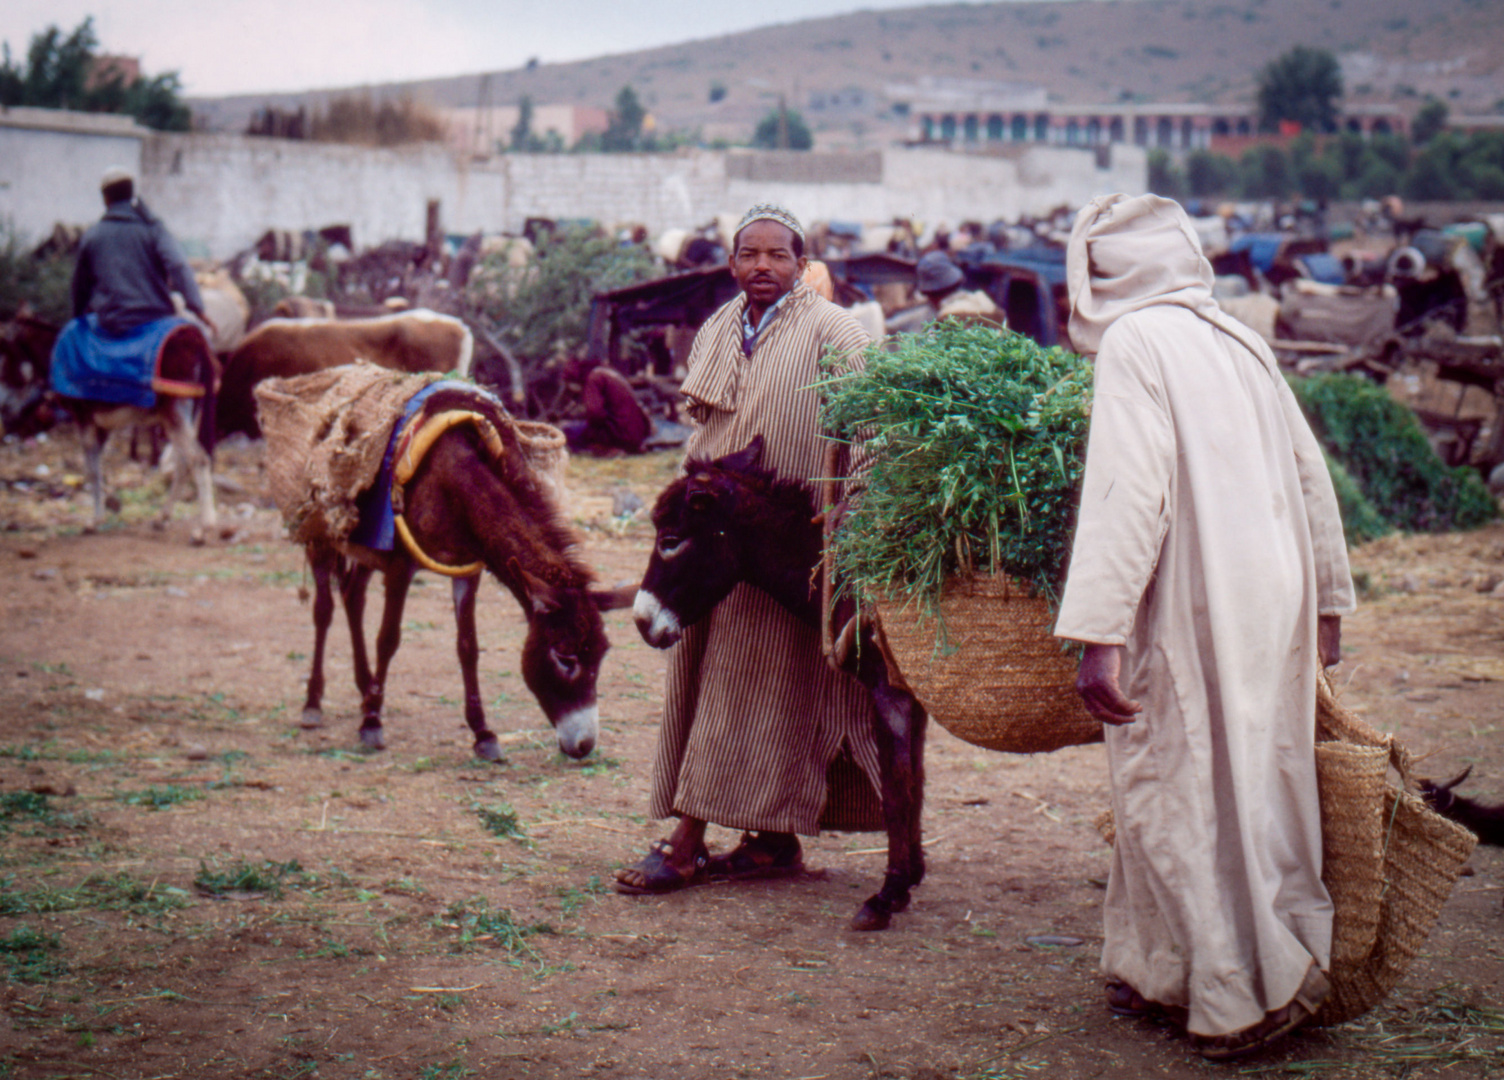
547, 454
997, 677
1388, 860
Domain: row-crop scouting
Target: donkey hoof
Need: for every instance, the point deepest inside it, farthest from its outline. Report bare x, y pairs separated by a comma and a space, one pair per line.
488, 749
312, 718
372, 738
871, 918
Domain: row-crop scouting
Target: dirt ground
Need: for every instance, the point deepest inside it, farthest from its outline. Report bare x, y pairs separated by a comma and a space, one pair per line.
192, 886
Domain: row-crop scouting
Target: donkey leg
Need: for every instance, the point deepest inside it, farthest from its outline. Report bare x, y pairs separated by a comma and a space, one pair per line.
353, 579
175, 476
467, 644
191, 455
323, 563
94, 438
900, 750
399, 575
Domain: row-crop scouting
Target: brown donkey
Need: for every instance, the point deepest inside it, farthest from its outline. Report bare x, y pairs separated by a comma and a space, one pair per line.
465, 506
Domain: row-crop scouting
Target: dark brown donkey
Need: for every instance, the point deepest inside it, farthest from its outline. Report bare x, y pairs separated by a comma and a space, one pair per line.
727, 521
463, 506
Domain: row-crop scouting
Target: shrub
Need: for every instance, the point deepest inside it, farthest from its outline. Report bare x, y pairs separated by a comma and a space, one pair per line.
543, 308
1380, 443
43, 283
1361, 522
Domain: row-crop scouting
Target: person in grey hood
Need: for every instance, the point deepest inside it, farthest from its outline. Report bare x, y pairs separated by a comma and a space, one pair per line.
129, 265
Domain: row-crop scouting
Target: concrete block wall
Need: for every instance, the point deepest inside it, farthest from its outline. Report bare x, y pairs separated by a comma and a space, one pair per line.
48, 177
218, 193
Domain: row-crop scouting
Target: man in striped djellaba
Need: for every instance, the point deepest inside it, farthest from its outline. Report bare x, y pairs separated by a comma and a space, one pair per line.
758, 733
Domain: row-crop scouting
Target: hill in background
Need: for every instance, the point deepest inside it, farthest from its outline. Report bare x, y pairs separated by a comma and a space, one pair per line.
845, 73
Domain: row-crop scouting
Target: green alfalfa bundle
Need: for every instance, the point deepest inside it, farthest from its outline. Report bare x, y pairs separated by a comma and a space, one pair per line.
978, 440
963, 533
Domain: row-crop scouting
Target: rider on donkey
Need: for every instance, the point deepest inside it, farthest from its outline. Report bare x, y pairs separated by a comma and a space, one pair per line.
128, 267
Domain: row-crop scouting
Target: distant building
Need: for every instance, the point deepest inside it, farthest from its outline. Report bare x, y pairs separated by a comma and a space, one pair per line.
976, 113
481, 131
108, 68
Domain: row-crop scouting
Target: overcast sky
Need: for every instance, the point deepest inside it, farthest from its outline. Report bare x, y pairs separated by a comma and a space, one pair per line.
235, 46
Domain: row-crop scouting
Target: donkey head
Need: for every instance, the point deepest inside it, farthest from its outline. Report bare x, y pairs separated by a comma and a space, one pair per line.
562, 654
696, 558
1440, 796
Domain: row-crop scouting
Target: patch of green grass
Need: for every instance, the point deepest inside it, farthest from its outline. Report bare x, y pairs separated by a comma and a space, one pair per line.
406, 886
28, 955
572, 899
500, 821
454, 1070
1445, 1032
25, 804
265, 877
34, 813
594, 765
336, 754
564, 1023
92, 757
155, 798
97, 893
478, 924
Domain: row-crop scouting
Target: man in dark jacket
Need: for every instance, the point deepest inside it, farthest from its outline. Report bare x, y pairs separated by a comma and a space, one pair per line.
129, 264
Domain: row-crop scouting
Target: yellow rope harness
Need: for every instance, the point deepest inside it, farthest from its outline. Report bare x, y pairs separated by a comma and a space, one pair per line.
412, 445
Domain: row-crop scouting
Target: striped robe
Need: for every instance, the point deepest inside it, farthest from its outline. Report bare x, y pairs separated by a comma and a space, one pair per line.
758, 732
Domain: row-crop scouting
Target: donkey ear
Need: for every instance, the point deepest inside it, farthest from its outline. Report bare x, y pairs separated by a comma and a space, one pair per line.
541, 596
622, 596
745, 458
700, 494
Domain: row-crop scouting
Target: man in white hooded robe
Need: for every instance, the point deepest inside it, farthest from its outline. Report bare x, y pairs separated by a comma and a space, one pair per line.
1207, 580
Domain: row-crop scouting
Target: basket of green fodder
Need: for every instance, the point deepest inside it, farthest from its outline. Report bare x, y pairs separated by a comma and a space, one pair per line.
977, 444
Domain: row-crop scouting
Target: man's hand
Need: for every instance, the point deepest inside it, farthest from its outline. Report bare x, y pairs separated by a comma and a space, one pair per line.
1097, 683
1329, 640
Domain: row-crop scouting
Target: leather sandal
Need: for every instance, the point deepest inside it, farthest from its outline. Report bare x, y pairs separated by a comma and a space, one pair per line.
758, 855
1276, 1024
1124, 1000
662, 876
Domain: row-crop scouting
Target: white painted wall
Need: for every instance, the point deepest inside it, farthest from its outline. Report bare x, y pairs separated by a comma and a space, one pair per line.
50, 176
218, 193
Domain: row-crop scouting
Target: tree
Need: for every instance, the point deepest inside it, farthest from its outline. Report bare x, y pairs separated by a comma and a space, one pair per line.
1266, 173
1429, 122
624, 131
1208, 174
1165, 179
1302, 86
522, 131
783, 129
60, 73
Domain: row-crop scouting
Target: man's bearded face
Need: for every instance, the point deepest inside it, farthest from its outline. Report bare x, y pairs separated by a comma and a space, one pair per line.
764, 263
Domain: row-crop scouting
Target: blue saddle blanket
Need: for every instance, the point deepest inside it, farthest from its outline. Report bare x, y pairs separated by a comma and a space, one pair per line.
377, 527
93, 366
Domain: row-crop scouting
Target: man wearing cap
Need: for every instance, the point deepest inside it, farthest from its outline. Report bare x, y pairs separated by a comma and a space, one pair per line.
758, 733
129, 264
940, 281
1208, 580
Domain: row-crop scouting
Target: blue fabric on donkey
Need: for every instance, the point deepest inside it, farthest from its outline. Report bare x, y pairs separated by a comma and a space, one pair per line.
90, 365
